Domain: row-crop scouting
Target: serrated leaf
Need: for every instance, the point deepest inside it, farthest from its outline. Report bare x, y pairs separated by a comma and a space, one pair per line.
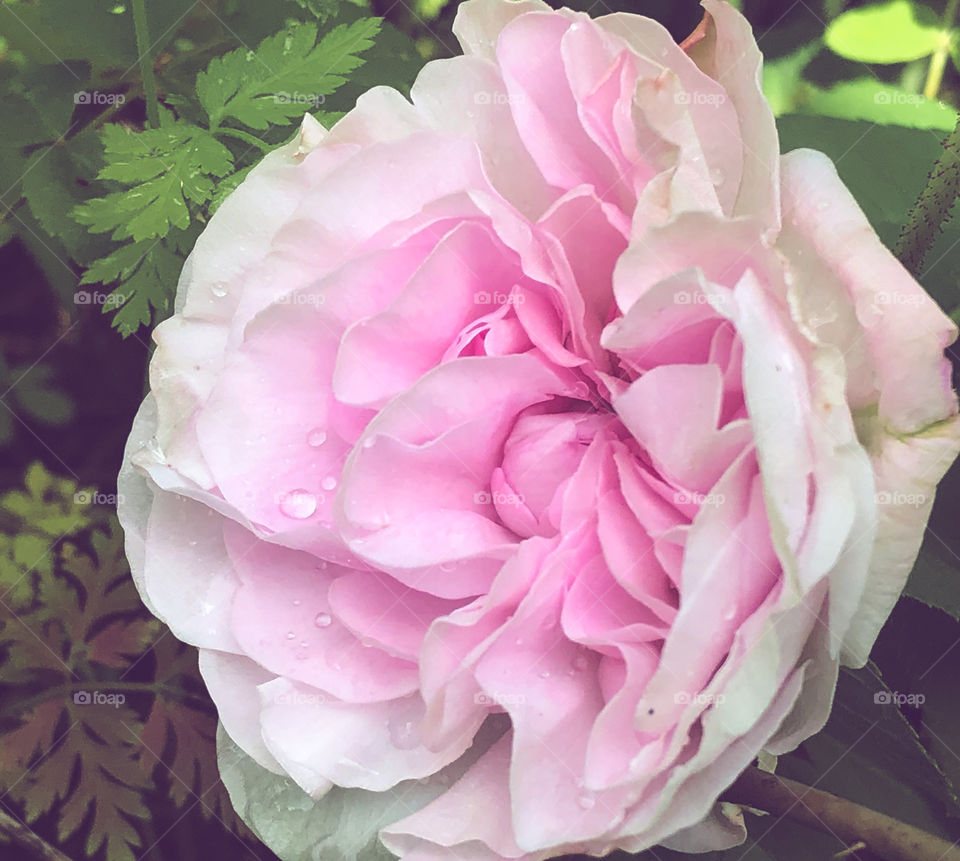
289, 74
893, 32
165, 168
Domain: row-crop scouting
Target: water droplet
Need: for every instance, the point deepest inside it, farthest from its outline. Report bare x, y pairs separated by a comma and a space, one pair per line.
545, 674
329, 483
518, 641
404, 733
823, 204
323, 620
368, 442
580, 662
298, 504
717, 176
321, 565
297, 602
316, 438
290, 635
219, 289
304, 644
587, 800
367, 644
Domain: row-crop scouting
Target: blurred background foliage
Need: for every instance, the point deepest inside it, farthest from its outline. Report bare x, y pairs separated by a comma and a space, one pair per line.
103, 191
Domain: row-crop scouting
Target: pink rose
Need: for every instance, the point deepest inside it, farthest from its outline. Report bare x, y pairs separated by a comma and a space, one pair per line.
556, 403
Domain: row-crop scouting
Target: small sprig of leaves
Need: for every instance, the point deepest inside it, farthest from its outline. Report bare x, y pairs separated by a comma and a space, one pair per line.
167, 181
102, 707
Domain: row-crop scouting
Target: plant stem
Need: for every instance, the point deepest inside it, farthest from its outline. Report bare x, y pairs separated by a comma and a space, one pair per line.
884, 836
932, 207
938, 63
36, 845
146, 62
253, 140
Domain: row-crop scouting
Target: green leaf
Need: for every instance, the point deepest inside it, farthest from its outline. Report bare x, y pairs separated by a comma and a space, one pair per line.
148, 274
165, 168
781, 78
872, 100
935, 578
320, 9
869, 753
894, 32
289, 74
38, 396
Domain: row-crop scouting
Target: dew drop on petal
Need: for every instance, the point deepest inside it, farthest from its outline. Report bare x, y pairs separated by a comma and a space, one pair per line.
316, 438
219, 289
545, 674
329, 483
298, 504
368, 442
586, 800
404, 733
290, 635
323, 620
717, 176
297, 602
